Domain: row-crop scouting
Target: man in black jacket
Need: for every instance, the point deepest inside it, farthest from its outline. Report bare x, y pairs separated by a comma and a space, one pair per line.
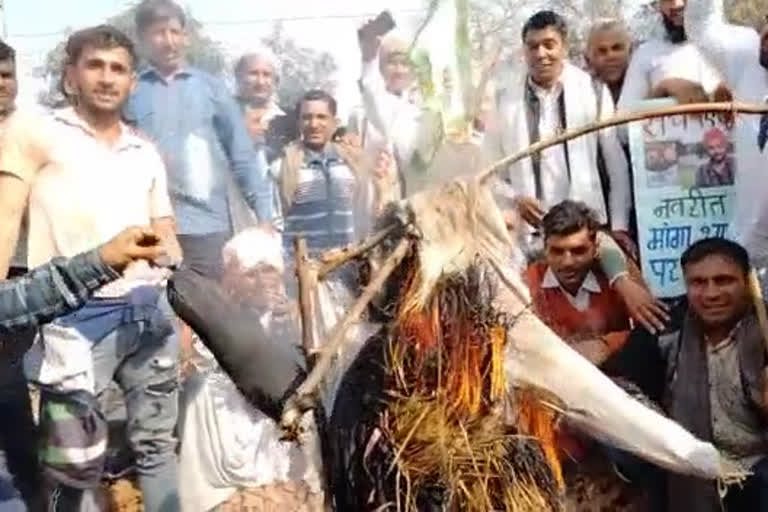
708, 370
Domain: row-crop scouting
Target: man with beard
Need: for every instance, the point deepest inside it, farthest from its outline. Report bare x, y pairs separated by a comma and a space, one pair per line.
200, 132
720, 169
741, 56
231, 455
86, 176
609, 46
670, 67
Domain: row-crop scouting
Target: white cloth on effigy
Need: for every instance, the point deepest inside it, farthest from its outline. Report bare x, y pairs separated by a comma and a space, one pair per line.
227, 445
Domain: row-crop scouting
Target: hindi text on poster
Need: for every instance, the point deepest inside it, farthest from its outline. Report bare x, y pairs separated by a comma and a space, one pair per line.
684, 171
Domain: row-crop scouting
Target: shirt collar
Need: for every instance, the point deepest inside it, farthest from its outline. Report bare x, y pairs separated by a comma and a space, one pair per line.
327, 154
590, 283
540, 91
128, 137
151, 71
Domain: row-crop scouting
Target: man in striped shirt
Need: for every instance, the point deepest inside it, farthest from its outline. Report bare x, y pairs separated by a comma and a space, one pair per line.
324, 190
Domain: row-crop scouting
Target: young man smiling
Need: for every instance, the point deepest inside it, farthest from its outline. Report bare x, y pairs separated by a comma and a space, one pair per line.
570, 292
87, 176
708, 370
551, 97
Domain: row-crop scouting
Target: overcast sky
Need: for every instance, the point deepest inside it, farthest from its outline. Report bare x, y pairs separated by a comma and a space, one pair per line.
35, 26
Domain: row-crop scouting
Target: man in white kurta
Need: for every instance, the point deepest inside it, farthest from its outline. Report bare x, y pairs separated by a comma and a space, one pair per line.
554, 96
740, 54
668, 67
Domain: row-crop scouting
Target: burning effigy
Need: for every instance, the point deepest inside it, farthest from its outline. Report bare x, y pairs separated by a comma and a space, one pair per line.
453, 403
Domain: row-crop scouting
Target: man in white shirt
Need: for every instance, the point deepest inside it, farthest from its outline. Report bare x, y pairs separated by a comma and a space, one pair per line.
257, 75
668, 67
553, 96
609, 46
740, 54
390, 119
84, 176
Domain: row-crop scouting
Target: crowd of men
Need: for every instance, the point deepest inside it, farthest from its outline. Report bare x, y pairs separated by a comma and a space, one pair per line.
156, 165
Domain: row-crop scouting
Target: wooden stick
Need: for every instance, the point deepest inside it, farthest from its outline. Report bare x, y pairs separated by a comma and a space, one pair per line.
336, 259
297, 404
759, 302
697, 108
307, 277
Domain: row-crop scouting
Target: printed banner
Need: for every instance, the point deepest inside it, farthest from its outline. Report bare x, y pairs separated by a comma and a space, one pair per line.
684, 171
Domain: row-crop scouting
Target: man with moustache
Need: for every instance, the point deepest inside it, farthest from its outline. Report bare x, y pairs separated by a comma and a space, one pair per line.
740, 54
257, 77
720, 170
258, 74
669, 67
200, 132
708, 371
18, 437
84, 176
609, 46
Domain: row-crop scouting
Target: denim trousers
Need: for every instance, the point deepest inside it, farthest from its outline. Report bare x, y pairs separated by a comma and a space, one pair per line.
18, 441
140, 352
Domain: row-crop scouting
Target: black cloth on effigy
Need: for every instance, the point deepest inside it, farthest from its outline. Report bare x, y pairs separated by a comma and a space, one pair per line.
266, 373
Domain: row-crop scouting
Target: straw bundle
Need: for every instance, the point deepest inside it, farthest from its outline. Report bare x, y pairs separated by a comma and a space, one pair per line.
446, 398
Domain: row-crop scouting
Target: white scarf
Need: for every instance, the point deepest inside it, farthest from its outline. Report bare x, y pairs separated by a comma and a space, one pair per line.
581, 108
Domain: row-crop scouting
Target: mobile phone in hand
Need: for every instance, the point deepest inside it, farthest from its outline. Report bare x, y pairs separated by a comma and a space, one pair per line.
380, 26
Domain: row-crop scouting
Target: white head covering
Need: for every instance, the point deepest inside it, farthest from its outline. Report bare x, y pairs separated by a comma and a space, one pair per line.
253, 247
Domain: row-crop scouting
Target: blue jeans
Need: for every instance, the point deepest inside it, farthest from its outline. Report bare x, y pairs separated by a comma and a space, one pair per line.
18, 455
136, 347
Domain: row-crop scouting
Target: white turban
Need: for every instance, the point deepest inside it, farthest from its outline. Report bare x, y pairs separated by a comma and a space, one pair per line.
253, 247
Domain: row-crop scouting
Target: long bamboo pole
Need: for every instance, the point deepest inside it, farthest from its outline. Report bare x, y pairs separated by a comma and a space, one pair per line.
297, 404
696, 108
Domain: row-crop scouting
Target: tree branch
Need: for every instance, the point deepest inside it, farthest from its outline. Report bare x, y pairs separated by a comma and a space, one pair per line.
297, 404
697, 108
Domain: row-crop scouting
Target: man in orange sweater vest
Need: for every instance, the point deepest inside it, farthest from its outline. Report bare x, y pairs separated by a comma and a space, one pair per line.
571, 293
575, 298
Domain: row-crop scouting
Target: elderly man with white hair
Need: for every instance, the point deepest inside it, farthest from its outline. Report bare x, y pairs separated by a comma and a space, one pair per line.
231, 454
391, 117
609, 45
258, 73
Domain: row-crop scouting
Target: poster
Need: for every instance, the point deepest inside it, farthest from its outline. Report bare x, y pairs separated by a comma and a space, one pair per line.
684, 172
